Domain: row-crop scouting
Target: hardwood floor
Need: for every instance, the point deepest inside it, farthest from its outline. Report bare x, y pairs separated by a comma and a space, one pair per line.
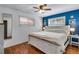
23, 48
27, 49
72, 50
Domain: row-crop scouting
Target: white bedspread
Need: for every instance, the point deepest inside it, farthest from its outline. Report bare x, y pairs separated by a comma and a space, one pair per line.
59, 38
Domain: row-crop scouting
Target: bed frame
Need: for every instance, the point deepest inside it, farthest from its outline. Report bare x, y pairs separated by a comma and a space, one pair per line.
46, 46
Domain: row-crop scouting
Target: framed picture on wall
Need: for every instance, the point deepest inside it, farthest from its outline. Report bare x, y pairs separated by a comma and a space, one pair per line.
26, 21
59, 21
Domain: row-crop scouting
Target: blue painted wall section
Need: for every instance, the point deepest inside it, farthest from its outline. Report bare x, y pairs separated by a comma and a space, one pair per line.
74, 13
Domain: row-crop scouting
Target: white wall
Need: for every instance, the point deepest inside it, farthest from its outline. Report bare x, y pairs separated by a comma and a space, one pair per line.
20, 32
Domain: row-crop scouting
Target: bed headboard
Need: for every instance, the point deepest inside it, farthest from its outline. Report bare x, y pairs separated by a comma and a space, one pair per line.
58, 29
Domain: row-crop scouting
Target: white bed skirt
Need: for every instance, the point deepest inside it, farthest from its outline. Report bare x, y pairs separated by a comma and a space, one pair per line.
45, 46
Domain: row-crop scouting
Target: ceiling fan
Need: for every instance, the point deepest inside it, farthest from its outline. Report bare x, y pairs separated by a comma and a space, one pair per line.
42, 8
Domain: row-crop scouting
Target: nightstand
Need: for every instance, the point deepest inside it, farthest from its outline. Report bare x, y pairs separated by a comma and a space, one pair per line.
75, 40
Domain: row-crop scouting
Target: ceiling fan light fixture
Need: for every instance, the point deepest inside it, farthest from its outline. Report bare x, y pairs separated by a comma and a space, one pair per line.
41, 11
42, 8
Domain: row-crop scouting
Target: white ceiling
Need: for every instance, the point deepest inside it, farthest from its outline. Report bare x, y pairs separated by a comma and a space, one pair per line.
56, 8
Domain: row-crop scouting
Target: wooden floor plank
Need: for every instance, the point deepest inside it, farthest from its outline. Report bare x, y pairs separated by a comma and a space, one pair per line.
25, 48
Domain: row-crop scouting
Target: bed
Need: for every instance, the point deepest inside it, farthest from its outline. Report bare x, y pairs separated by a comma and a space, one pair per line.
53, 40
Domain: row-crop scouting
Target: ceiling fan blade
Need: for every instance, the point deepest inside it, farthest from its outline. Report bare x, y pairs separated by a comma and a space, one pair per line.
37, 10
47, 9
36, 7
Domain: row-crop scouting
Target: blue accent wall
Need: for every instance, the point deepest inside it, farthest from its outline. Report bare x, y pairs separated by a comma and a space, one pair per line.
74, 13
